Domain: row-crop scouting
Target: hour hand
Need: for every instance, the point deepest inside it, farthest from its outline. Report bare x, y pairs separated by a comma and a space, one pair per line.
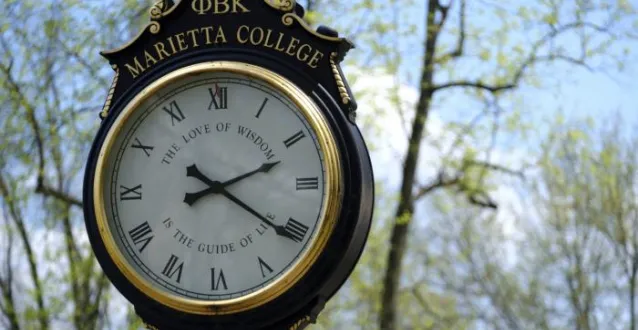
192, 198
213, 186
193, 171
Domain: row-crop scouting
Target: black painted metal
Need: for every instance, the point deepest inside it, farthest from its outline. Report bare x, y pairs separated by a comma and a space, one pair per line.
307, 297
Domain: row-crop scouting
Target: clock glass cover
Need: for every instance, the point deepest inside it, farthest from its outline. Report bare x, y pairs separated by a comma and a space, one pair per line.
218, 184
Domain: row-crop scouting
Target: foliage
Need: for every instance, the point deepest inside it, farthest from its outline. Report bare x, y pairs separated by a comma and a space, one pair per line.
441, 90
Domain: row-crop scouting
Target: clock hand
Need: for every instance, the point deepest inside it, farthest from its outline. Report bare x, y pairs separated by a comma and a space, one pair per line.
193, 171
280, 230
265, 168
216, 187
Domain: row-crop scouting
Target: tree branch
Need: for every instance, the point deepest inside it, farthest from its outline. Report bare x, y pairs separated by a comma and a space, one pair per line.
18, 220
48, 191
442, 181
474, 84
41, 186
482, 200
460, 41
495, 167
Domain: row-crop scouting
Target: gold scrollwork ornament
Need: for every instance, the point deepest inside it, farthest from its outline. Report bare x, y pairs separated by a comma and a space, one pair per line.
283, 5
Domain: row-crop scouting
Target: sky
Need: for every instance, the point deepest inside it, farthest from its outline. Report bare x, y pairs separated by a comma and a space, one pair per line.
578, 93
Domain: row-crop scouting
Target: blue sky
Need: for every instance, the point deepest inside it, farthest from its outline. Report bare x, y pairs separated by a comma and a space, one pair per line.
575, 91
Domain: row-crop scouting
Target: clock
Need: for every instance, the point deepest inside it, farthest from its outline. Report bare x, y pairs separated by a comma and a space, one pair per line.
217, 187
227, 189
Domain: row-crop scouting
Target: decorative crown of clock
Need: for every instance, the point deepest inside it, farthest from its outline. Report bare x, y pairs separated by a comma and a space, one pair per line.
228, 186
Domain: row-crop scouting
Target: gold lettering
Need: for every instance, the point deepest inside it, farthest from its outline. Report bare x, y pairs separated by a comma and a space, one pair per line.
220, 35
278, 45
170, 41
221, 3
181, 43
239, 38
237, 3
252, 36
192, 33
268, 39
207, 30
201, 6
159, 49
292, 46
135, 71
314, 61
303, 56
149, 59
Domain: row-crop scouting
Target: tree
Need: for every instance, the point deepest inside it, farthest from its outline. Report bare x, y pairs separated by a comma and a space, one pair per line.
50, 71
588, 196
481, 60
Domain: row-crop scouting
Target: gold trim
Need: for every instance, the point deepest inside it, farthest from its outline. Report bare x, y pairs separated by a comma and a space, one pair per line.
283, 5
109, 97
157, 9
328, 216
341, 86
298, 325
289, 18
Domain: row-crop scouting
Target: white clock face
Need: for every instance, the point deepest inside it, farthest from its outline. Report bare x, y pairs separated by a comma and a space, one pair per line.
214, 187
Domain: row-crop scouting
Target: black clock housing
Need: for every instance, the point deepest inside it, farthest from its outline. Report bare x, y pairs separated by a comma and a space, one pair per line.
316, 71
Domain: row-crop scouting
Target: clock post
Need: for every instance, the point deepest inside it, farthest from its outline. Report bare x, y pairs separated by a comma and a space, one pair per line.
228, 186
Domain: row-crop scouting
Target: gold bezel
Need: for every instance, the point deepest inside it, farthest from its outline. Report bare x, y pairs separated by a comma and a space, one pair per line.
328, 217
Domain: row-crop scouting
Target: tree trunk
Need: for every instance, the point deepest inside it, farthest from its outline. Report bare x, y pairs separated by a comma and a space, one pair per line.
405, 208
632, 293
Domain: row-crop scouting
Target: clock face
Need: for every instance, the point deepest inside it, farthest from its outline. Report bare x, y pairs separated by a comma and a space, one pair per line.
215, 187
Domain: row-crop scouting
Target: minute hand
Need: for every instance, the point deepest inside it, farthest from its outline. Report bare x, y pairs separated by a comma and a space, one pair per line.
278, 229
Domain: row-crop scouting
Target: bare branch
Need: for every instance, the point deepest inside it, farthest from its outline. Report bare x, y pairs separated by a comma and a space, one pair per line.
26, 242
440, 182
483, 200
496, 167
46, 190
460, 41
475, 84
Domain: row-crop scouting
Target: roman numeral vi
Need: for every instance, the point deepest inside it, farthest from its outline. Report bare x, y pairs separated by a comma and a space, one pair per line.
217, 280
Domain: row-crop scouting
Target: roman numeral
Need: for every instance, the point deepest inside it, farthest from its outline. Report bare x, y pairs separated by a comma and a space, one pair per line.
296, 229
128, 194
175, 112
141, 234
262, 265
217, 280
307, 183
261, 108
294, 139
147, 149
218, 98
170, 269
